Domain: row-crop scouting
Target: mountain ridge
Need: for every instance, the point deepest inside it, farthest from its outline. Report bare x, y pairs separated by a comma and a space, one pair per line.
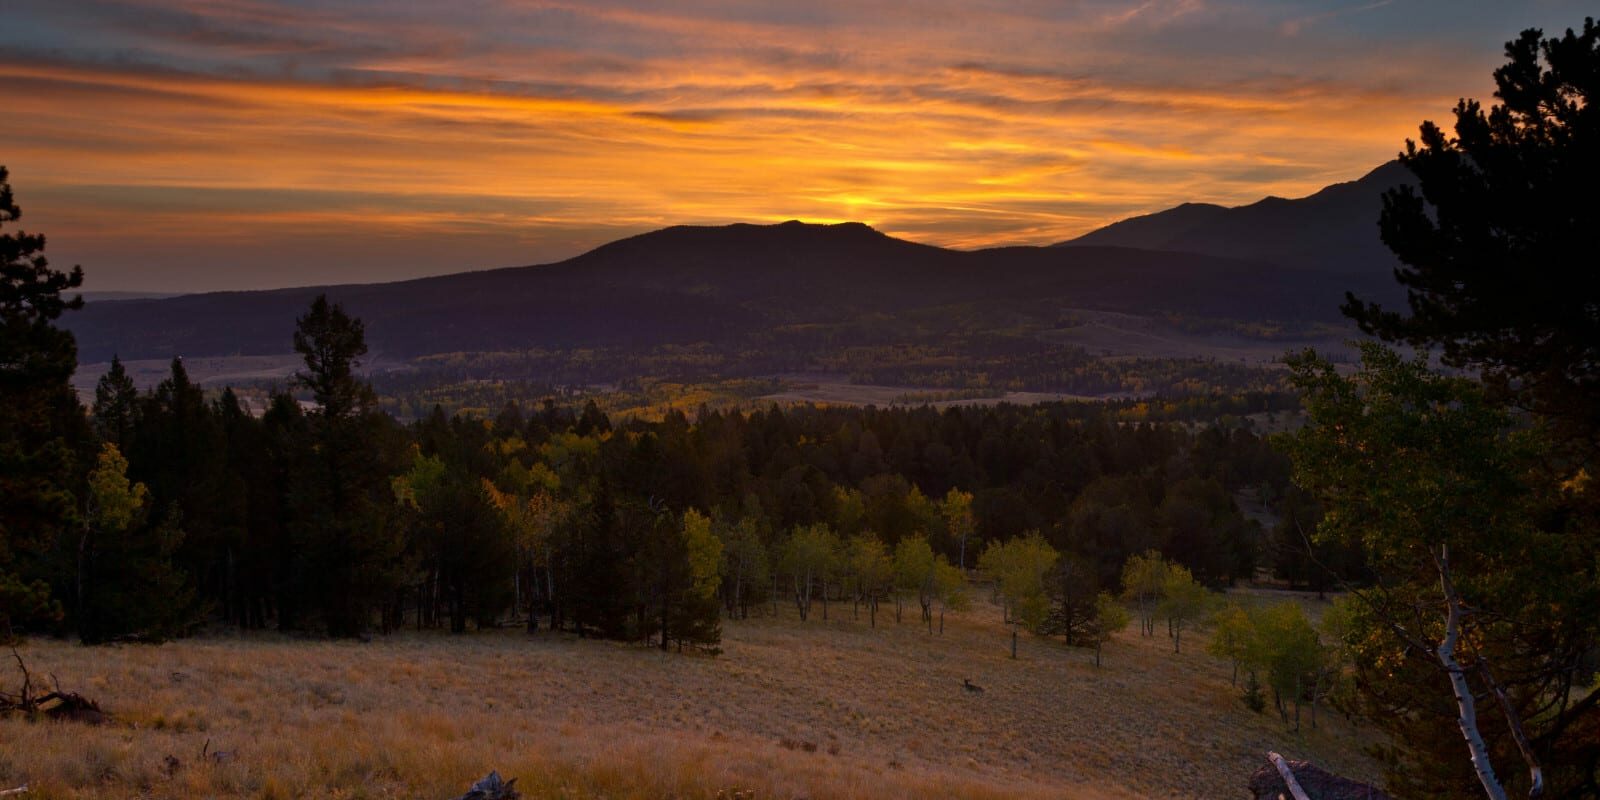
717, 284
1334, 229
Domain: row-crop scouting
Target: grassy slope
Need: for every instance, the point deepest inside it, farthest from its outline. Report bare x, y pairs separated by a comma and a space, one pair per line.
424, 715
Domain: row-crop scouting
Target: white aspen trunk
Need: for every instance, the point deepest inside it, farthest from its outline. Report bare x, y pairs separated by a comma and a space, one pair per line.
1466, 707
1535, 772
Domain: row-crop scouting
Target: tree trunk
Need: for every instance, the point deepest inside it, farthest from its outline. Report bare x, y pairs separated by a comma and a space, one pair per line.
1014, 643
550, 590
1297, 694
666, 615
1466, 707
1514, 721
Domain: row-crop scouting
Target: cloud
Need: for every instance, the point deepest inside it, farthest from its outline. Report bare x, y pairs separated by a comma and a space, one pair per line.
150, 139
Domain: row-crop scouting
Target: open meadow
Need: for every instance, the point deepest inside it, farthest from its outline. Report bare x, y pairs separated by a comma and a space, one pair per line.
790, 709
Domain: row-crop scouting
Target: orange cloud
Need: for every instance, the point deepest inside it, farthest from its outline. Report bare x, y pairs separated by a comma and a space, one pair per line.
244, 143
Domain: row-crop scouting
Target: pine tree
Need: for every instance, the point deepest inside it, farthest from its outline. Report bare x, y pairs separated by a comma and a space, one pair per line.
116, 402
1497, 239
346, 552
39, 423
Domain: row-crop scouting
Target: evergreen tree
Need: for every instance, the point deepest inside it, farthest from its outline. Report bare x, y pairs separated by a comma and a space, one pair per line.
116, 404
178, 450
41, 424
347, 552
1498, 245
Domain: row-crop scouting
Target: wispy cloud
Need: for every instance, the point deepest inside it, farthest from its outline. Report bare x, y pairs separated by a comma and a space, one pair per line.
225, 143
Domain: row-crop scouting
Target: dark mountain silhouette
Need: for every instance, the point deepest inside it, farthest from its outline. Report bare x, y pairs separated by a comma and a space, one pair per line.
715, 284
1334, 230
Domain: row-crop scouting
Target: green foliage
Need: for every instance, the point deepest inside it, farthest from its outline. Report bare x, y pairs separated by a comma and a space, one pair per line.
1183, 602
1144, 576
114, 502
1279, 642
1232, 636
1285, 649
1018, 568
872, 569
127, 585
1254, 699
950, 586
704, 554
1110, 618
746, 567
959, 525
1434, 480
810, 557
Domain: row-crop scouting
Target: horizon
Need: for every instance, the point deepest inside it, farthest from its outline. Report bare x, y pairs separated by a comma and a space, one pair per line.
231, 145
147, 294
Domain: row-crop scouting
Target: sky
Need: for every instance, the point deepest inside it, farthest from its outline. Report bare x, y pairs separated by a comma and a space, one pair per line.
189, 145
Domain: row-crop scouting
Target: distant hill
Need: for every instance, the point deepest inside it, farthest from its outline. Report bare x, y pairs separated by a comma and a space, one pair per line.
1333, 231
690, 284
96, 297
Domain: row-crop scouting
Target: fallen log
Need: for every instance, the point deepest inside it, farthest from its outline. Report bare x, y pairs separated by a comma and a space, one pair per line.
1282, 779
58, 705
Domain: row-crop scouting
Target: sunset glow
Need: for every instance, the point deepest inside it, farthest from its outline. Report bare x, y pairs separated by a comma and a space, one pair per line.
236, 143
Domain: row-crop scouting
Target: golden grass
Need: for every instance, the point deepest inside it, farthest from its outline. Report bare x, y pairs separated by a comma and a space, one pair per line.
791, 709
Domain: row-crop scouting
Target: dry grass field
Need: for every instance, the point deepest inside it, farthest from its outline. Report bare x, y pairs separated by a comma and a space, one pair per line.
790, 710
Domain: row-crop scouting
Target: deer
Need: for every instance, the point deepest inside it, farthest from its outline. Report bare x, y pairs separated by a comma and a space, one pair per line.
971, 687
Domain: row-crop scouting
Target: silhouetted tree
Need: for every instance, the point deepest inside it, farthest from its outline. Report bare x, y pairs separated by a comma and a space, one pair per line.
116, 402
1498, 245
41, 423
346, 550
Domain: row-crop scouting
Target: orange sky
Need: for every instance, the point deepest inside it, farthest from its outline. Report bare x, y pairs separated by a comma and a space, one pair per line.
239, 144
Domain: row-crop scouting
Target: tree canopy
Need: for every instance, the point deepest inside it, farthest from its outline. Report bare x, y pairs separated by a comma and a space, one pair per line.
1497, 239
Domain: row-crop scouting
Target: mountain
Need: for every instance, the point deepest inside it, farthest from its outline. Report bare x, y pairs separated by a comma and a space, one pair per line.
718, 284
1334, 230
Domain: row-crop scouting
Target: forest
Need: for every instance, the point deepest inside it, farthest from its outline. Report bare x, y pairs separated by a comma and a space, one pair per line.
337, 518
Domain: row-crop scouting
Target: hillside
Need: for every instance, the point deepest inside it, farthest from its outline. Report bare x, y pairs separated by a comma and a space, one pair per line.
718, 284
1334, 230
864, 713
